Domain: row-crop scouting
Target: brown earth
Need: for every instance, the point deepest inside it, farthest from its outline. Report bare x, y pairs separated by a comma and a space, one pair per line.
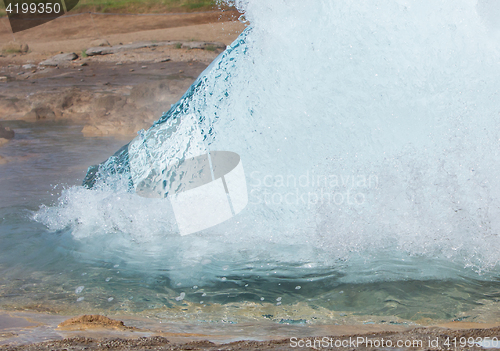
451, 337
97, 332
93, 321
116, 94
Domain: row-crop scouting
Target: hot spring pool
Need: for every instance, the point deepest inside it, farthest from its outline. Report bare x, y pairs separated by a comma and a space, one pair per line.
369, 136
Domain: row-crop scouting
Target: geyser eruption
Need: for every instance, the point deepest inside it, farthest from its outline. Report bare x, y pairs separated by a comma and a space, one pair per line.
369, 132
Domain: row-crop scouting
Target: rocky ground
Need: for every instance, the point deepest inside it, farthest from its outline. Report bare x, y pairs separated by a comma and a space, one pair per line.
137, 68
451, 337
115, 85
115, 94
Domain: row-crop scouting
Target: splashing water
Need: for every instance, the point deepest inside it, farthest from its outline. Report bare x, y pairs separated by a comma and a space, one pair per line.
370, 138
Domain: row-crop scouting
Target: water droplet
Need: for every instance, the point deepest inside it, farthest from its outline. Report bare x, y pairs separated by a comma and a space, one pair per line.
298, 287
223, 278
261, 299
195, 287
180, 297
204, 294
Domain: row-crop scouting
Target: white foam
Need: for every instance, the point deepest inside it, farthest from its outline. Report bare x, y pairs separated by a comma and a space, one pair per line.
393, 105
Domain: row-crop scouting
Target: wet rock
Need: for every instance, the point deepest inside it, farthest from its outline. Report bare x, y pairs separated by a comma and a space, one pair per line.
6, 133
40, 113
74, 100
100, 42
108, 102
12, 107
146, 93
59, 59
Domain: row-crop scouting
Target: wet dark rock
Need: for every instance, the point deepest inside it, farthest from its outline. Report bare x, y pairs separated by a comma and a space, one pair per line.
6, 133
40, 113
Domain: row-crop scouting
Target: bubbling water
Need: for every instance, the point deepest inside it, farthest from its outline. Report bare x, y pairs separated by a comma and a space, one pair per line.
365, 129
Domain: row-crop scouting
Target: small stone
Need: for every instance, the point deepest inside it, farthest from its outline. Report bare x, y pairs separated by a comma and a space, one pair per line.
84, 64
3, 79
132, 70
58, 59
162, 60
29, 66
144, 67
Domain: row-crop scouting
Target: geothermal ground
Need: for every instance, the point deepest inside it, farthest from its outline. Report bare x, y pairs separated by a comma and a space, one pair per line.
153, 60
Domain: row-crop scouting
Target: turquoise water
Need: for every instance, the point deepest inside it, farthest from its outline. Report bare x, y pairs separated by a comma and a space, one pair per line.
46, 270
368, 135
